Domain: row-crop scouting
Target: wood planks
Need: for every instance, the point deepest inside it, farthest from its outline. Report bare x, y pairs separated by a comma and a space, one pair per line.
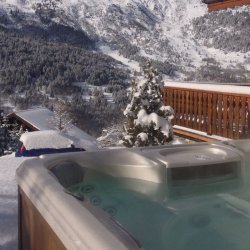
34, 232
216, 113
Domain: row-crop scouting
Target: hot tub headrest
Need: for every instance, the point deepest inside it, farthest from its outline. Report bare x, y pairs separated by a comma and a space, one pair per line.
68, 173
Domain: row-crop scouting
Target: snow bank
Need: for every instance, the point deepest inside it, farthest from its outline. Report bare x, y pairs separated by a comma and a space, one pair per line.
216, 137
116, 55
8, 203
110, 137
45, 139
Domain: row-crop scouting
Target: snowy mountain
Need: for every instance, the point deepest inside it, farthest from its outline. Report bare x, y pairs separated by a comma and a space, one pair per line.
181, 36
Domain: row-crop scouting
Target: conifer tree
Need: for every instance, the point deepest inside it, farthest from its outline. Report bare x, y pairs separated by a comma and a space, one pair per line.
148, 120
9, 136
14, 134
4, 135
2, 140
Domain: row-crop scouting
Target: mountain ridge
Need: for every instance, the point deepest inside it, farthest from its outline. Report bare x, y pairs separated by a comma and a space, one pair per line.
181, 36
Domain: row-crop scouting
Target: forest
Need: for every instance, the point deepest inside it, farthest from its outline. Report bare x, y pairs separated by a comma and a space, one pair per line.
34, 71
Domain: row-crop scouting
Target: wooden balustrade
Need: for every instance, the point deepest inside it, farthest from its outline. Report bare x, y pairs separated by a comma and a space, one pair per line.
216, 113
219, 5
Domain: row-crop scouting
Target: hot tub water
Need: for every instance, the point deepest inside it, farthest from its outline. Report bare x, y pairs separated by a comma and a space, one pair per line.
172, 220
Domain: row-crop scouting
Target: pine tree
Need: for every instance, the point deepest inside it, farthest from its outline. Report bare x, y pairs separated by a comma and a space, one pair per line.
2, 140
14, 135
5, 137
9, 136
148, 120
2, 134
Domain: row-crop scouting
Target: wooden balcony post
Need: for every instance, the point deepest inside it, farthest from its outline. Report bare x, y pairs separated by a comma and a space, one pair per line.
210, 112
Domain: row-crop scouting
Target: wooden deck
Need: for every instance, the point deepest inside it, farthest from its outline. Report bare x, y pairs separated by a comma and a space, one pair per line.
219, 5
215, 113
193, 136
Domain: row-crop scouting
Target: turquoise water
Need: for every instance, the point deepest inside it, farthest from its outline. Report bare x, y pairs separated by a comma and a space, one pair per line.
208, 217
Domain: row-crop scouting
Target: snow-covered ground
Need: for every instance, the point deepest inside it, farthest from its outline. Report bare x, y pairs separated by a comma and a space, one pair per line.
88, 90
8, 203
116, 55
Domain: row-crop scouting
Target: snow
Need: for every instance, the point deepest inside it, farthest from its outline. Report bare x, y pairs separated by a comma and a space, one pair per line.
81, 139
172, 25
211, 87
178, 142
110, 136
115, 54
42, 119
109, 97
45, 139
145, 119
143, 136
8, 203
127, 111
216, 137
87, 91
228, 59
25, 6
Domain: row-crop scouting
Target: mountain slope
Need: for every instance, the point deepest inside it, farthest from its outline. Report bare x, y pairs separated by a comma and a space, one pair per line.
180, 36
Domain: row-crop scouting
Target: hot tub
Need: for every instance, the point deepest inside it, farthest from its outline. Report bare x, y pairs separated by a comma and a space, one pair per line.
170, 197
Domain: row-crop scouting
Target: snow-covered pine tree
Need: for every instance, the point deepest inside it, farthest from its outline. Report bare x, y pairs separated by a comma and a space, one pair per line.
5, 136
9, 140
61, 119
2, 134
148, 120
2, 140
15, 133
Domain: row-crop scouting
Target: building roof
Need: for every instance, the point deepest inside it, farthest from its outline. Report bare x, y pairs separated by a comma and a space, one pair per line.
42, 119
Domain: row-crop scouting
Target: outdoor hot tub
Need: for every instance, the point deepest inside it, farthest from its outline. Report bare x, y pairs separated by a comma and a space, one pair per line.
178, 197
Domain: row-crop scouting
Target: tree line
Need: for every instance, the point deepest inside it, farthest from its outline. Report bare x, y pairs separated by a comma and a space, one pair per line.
51, 68
34, 71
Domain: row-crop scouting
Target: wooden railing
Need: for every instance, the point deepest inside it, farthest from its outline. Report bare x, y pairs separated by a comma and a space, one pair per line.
227, 4
216, 113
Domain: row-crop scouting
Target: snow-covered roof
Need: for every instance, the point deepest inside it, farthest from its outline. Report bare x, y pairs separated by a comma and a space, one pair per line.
42, 119
211, 87
45, 139
39, 118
